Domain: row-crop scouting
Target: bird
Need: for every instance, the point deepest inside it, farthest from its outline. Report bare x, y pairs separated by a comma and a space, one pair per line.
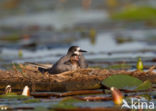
73, 60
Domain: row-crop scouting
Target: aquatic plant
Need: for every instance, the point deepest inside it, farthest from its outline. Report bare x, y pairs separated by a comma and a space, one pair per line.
117, 96
20, 53
139, 64
32, 101
122, 81
67, 103
136, 13
13, 96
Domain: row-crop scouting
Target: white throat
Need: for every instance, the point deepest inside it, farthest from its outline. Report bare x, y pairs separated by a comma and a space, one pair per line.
77, 52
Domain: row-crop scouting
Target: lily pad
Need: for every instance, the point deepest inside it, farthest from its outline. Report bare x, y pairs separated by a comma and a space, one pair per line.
146, 96
145, 85
122, 81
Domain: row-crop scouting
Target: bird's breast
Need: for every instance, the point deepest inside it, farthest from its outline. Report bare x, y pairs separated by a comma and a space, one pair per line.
75, 66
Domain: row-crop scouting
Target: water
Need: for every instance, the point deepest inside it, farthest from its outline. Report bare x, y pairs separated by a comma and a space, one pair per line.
58, 19
105, 48
46, 31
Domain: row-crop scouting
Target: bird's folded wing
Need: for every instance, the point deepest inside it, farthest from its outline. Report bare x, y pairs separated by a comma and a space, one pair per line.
35, 66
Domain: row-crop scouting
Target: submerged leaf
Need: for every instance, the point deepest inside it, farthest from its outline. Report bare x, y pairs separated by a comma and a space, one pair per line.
32, 101
64, 106
70, 100
146, 96
122, 81
145, 85
67, 103
42, 108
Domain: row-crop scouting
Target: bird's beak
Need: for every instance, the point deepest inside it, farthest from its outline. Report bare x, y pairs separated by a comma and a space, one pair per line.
82, 50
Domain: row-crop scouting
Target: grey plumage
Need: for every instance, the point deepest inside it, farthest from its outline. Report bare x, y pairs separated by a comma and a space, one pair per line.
63, 63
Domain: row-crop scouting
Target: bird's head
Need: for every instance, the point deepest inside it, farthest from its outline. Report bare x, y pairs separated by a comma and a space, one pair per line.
75, 50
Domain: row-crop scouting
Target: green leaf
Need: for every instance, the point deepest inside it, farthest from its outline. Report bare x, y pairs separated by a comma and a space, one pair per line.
67, 103
122, 81
146, 96
145, 85
32, 101
136, 13
119, 66
70, 100
13, 96
64, 106
42, 108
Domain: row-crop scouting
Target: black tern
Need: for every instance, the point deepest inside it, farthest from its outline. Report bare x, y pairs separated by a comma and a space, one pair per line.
73, 60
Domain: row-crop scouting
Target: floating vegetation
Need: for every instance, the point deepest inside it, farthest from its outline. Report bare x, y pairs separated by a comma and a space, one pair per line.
120, 39
20, 53
92, 36
12, 96
136, 13
119, 66
140, 64
11, 38
145, 85
67, 103
122, 81
70, 100
32, 101
72, 80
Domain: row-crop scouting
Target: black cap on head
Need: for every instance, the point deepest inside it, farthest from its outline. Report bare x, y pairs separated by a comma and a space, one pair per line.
75, 50
72, 48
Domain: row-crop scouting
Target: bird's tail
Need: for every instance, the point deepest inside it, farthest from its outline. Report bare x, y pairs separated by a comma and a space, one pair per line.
42, 70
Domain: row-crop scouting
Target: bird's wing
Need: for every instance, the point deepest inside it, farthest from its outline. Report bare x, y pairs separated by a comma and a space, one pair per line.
35, 66
61, 65
38, 65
